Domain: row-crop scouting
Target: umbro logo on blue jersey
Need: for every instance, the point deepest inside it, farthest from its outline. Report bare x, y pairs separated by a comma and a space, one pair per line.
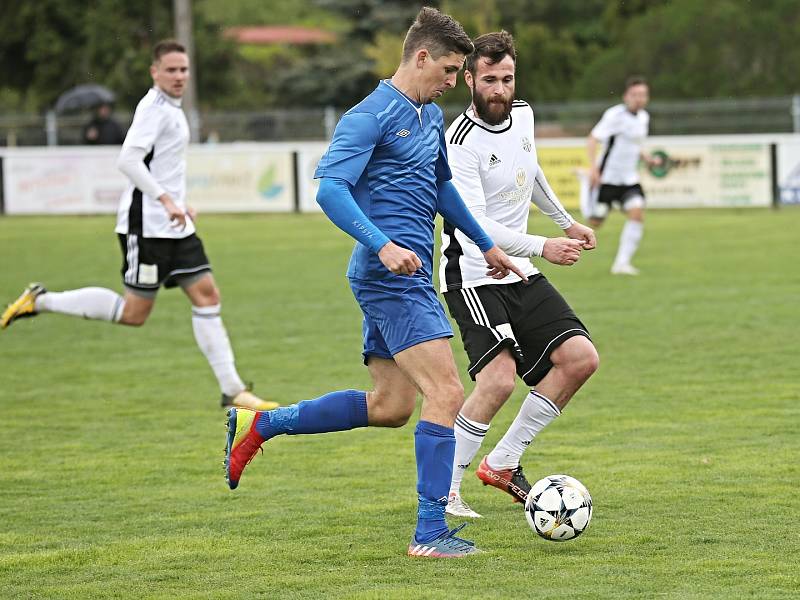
493, 161
403, 133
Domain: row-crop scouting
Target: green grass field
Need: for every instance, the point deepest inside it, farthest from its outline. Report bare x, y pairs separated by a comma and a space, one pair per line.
111, 439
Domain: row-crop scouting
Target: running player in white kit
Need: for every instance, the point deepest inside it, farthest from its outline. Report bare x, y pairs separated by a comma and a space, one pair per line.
156, 232
509, 327
622, 129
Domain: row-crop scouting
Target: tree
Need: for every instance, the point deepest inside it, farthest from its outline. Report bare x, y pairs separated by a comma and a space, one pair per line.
692, 50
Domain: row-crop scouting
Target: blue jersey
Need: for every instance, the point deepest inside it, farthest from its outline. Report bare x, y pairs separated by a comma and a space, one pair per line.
391, 151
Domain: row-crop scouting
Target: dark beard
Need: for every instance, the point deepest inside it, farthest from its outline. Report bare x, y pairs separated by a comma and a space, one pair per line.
487, 111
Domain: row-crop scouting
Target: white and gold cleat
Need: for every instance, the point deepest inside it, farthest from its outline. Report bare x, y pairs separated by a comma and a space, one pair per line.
247, 399
24, 306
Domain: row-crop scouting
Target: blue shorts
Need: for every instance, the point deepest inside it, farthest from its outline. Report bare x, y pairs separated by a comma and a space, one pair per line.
399, 313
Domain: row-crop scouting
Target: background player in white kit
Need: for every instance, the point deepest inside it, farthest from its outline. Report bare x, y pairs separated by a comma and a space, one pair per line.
157, 234
622, 129
509, 327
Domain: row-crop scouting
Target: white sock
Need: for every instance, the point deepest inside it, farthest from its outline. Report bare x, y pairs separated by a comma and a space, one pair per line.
536, 412
90, 303
209, 331
469, 436
629, 241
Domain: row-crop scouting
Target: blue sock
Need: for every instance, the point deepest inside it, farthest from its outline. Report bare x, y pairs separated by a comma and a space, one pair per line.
336, 411
435, 447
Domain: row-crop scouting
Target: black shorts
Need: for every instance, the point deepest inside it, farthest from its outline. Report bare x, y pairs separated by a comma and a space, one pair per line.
609, 194
530, 319
149, 263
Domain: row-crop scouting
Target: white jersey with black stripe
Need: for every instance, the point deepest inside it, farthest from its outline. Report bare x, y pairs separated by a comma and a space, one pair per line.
496, 171
161, 129
623, 134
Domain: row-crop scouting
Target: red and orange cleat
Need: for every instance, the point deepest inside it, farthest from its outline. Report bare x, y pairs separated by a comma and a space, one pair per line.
511, 481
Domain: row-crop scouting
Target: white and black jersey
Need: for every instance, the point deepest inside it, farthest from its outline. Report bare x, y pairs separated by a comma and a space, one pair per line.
623, 134
497, 173
160, 129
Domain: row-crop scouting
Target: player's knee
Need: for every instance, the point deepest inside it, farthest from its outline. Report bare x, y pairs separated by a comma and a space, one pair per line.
588, 363
399, 417
390, 408
577, 358
583, 363
499, 387
213, 297
450, 395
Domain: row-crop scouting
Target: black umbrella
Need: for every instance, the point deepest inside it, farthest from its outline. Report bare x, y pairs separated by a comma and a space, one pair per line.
84, 96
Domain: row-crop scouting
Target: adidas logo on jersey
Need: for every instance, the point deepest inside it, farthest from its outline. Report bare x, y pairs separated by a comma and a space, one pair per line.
403, 133
493, 161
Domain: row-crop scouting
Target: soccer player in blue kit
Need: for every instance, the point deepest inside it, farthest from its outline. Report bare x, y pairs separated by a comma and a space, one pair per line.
383, 179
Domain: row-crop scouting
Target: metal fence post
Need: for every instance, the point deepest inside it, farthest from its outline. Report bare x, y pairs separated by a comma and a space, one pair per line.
796, 112
51, 127
330, 121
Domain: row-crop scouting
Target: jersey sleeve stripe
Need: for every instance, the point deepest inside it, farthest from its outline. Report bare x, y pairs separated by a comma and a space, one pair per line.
544, 191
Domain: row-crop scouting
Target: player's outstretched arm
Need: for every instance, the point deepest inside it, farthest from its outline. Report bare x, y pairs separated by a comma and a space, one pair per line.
336, 200
548, 203
513, 243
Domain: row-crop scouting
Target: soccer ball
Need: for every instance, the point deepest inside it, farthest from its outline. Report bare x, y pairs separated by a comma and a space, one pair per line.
558, 508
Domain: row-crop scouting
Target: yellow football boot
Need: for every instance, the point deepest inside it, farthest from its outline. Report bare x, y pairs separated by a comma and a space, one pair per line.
24, 306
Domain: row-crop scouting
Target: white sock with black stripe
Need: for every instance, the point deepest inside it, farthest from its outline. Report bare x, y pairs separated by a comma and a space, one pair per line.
90, 303
212, 338
535, 414
469, 437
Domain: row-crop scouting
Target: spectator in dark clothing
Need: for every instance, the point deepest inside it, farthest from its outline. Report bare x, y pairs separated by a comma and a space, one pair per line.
103, 129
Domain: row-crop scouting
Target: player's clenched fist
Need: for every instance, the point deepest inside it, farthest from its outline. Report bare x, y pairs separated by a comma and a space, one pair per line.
399, 261
562, 251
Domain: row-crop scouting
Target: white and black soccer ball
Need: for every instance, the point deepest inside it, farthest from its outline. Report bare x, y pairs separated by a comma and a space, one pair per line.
558, 508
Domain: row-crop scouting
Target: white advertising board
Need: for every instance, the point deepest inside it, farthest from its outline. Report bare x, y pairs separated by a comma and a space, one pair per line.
308, 156
696, 171
219, 178
62, 181
789, 171
708, 174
